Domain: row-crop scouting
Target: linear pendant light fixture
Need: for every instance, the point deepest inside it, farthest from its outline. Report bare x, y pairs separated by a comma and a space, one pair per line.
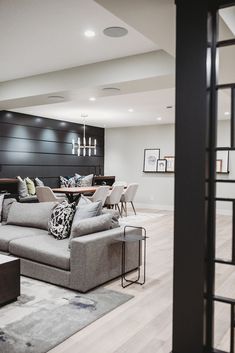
82, 148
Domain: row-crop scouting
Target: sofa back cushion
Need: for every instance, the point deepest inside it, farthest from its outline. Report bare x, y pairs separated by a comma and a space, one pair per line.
7, 203
34, 215
91, 225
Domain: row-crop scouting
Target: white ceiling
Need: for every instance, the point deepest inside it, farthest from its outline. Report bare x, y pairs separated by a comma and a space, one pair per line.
112, 111
43, 36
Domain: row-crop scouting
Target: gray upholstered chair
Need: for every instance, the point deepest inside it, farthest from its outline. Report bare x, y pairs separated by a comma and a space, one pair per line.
45, 194
100, 194
128, 196
114, 197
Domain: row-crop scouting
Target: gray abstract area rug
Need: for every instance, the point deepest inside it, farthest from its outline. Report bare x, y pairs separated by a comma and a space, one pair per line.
45, 315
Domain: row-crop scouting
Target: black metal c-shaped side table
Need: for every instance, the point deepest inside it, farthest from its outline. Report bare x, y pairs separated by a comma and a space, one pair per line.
127, 238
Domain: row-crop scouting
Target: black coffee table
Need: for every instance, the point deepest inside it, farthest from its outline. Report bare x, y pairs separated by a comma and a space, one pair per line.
9, 279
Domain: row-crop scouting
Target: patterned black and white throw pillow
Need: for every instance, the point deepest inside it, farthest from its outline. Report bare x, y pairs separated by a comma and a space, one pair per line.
68, 183
61, 220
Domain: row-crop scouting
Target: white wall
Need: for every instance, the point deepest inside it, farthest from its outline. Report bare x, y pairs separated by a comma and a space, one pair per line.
124, 153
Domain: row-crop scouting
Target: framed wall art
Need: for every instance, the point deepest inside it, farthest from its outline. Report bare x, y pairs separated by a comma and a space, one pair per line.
151, 157
161, 165
170, 166
222, 162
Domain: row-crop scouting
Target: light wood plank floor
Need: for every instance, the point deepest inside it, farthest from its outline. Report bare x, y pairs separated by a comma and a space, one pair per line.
144, 324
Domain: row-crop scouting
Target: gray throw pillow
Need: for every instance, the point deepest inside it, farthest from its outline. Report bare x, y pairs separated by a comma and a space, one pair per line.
22, 187
7, 203
1, 205
84, 201
85, 181
34, 215
89, 210
38, 182
85, 211
115, 217
91, 225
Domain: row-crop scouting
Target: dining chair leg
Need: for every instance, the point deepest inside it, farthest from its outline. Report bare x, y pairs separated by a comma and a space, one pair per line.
119, 209
133, 207
125, 209
122, 208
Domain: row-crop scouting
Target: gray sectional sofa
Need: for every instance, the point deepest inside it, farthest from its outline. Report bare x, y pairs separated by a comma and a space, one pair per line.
90, 261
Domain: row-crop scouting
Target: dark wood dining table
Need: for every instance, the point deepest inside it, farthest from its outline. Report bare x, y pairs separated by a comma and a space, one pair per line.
73, 194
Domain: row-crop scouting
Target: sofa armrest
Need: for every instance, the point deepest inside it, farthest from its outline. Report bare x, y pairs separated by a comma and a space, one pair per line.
96, 258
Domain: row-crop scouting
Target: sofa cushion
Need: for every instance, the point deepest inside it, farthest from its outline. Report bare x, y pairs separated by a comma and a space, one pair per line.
46, 250
9, 233
31, 215
91, 225
28, 199
60, 222
7, 203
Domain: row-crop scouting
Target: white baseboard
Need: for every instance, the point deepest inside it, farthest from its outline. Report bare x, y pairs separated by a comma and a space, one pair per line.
222, 212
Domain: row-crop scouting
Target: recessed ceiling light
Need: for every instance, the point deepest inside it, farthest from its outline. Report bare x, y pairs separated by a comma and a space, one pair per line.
89, 33
115, 32
159, 118
92, 99
110, 89
226, 113
56, 98
130, 110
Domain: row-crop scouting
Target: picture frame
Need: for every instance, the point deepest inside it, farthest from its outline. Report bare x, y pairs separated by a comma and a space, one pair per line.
222, 166
170, 166
161, 165
219, 165
151, 156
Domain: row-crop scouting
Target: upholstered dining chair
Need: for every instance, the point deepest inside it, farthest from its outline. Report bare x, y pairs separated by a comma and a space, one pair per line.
128, 196
45, 194
100, 194
120, 182
114, 197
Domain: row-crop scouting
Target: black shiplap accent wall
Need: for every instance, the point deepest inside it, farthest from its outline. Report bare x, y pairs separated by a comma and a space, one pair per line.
34, 146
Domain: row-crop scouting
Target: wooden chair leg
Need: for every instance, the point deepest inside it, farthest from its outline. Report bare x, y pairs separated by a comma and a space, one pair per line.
133, 207
119, 209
